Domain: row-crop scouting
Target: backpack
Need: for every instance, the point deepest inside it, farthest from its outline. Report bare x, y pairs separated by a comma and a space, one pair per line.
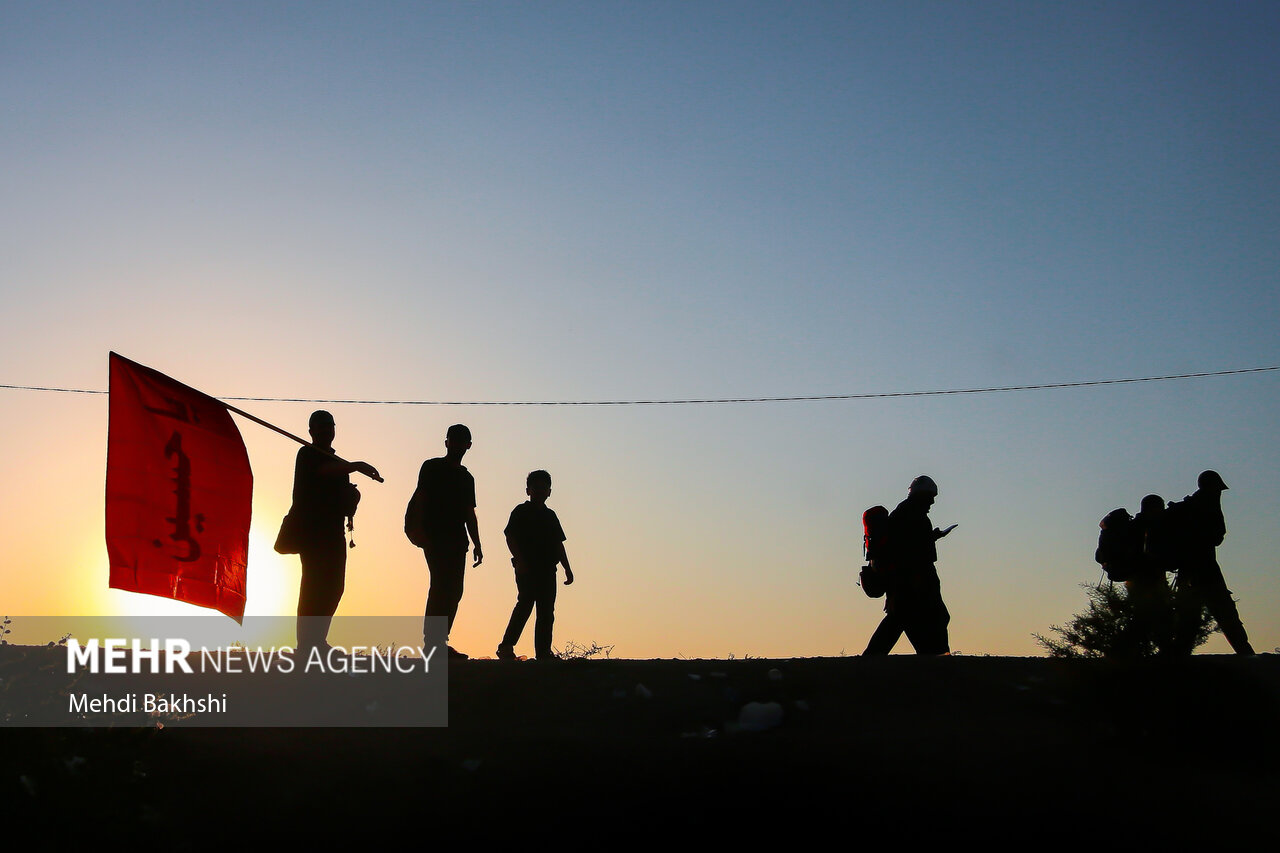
873, 578
1179, 530
413, 521
1117, 552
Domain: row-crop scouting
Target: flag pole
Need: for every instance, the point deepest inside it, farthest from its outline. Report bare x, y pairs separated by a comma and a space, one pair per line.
284, 432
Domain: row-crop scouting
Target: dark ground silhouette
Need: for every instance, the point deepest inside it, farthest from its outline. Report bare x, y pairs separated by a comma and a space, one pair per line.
1028, 751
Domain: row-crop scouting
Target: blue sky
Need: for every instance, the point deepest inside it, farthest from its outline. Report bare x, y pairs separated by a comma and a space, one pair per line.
563, 201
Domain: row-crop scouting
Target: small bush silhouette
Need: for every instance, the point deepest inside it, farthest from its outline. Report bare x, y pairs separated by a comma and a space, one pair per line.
1116, 624
578, 651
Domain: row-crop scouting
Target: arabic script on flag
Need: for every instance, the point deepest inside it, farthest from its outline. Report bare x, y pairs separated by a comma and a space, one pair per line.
179, 492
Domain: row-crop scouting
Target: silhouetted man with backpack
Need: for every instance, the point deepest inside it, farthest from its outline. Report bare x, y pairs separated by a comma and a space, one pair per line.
913, 594
1135, 551
1146, 585
1200, 582
440, 517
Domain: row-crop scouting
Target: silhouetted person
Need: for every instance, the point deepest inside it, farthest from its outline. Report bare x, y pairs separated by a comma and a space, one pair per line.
323, 497
913, 598
446, 514
1146, 585
1200, 581
536, 541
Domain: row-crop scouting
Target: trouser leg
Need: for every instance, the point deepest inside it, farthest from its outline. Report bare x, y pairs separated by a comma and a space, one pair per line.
447, 571
926, 629
885, 636
1200, 587
1153, 616
1232, 628
324, 572
1223, 608
924, 616
525, 600
546, 601
1188, 605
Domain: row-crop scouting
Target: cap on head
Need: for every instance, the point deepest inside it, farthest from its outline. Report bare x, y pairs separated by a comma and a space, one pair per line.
1210, 480
320, 418
924, 485
458, 432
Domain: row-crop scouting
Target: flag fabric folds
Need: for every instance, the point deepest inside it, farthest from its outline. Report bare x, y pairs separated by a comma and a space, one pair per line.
179, 492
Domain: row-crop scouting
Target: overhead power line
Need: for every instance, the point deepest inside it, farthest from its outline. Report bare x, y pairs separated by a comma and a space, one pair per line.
703, 401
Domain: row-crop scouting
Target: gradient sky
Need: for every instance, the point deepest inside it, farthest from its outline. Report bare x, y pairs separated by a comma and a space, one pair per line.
591, 201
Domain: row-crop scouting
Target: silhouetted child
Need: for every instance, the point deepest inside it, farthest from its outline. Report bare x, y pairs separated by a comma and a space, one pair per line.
536, 541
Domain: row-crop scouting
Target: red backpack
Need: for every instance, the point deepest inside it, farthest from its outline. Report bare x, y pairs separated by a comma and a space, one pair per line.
875, 547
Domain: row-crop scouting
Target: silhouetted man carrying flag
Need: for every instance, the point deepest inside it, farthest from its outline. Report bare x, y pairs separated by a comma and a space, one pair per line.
441, 514
323, 497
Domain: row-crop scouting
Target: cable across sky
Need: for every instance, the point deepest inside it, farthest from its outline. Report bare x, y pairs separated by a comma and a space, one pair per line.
997, 389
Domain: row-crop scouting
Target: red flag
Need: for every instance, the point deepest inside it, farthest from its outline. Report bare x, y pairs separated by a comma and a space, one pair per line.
179, 492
